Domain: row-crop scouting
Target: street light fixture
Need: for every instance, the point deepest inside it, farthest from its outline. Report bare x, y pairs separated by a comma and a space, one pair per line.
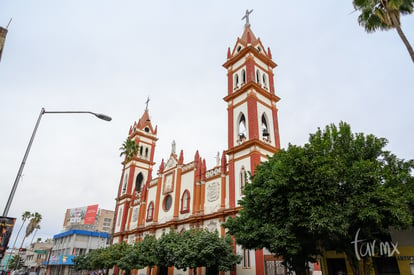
19, 173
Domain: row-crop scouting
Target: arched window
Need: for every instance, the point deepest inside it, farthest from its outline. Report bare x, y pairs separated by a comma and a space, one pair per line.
138, 182
124, 186
257, 76
243, 179
140, 150
242, 127
243, 76
264, 81
146, 152
185, 202
150, 212
236, 81
265, 128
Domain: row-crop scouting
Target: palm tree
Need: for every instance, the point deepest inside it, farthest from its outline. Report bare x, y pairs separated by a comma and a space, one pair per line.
34, 222
385, 15
25, 216
129, 148
34, 234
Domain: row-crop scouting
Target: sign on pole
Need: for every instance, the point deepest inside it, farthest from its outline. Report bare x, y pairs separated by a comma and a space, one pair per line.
6, 229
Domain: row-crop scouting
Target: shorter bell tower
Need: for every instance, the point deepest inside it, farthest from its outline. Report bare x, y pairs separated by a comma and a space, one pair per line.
136, 175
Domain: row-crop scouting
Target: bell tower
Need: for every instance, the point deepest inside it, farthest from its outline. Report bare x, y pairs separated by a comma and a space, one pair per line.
136, 175
253, 131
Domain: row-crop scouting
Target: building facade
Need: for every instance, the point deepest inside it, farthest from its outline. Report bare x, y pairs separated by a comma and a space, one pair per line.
89, 218
72, 243
187, 194
37, 255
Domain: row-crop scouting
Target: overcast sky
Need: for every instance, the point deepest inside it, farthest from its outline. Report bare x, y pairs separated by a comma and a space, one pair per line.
109, 56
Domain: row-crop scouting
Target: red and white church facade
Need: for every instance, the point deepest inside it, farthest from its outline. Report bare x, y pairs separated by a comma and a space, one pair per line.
182, 194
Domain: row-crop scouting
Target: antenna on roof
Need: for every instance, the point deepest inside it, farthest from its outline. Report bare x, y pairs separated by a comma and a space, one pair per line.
9, 23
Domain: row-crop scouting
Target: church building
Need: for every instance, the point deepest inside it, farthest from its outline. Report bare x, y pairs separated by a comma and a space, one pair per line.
184, 194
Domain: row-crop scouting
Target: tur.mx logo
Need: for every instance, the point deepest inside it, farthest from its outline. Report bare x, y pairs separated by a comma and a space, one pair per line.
370, 248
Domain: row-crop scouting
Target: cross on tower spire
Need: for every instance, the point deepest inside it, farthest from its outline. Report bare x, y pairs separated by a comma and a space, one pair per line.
246, 16
146, 103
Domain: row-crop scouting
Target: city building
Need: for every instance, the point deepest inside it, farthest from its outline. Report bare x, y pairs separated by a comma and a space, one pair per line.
187, 194
70, 244
37, 255
85, 229
89, 218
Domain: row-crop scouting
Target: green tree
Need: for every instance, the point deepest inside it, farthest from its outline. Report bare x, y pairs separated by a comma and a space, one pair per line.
81, 262
385, 15
316, 197
201, 248
102, 258
375, 188
108, 256
25, 216
34, 223
129, 148
281, 192
117, 251
148, 252
140, 255
128, 259
166, 248
34, 234
16, 262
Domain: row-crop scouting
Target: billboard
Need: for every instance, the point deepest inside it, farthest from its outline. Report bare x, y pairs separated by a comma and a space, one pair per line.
91, 214
61, 260
6, 229
81, 215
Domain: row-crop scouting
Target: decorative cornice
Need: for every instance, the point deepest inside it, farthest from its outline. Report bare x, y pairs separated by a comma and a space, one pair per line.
252, 85
244, 52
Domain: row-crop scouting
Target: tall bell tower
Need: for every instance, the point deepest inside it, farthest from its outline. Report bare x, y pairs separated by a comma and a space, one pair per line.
253, 131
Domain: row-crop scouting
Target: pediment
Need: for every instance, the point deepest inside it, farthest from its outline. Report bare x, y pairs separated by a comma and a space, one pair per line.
172, 162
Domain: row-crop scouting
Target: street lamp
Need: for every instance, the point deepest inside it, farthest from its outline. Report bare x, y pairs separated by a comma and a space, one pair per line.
19, 173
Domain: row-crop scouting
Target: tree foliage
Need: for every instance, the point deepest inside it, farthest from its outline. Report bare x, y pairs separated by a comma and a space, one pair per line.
102, 258
34, 222
16, 262
315, 197
167, 247
385, 15
191, 249
25, 216
129, 148
198, 248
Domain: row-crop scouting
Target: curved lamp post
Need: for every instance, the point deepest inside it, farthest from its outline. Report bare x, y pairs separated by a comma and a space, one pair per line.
19, 173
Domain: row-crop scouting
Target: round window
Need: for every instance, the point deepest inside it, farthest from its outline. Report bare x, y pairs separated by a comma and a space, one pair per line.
167, 203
